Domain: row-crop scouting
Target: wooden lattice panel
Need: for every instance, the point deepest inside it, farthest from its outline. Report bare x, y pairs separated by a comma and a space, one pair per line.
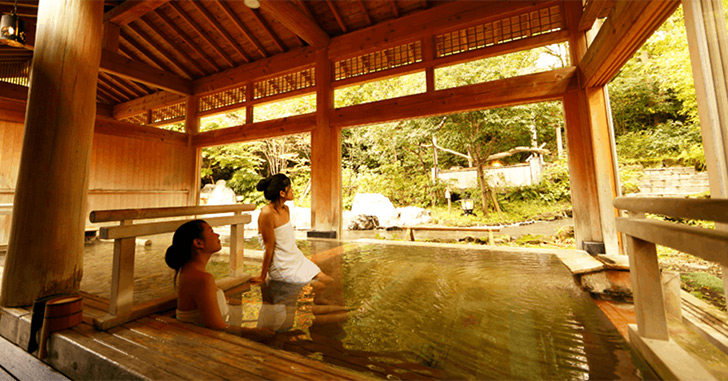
140, 118
15, 72
167, 113
285, 83
222, 99
513, 28
397, 56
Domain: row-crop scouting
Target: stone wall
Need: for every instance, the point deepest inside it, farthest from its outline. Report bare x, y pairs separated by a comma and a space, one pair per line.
675, 181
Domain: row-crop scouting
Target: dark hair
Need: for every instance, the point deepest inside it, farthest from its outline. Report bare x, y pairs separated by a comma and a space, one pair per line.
272, 186
181, 250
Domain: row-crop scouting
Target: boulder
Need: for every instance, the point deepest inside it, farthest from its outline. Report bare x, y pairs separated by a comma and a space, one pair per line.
375, 204
363, 222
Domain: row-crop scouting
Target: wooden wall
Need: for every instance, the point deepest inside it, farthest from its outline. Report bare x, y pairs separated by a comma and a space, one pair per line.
125, 172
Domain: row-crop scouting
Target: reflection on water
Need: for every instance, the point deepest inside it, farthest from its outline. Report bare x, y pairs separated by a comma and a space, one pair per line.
414, 312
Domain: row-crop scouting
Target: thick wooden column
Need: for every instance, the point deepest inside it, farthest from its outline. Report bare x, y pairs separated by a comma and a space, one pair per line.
325, 157
605, 167
708, 45
580, 154
192, 128
45, 253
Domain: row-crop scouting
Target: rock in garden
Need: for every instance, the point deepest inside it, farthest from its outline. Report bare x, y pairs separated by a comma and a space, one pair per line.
364, 222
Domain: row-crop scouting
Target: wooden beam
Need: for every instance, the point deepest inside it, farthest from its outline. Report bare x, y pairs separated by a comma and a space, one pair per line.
593, 10
215, 24
275, 65
332, 7
629, 25
432, 21
175, 49
241, 27
296, 21
160, 55
506, 92
188, 41
146, 103
126, 68
12, 111
129, 11
364, 12
262, 130
9, 91
107, 126
192, 24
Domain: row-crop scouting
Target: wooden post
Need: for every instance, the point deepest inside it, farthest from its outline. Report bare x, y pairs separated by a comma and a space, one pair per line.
192, 128
649, 306
604, 167
706, 32
325, 155
582, 172
236, 248
122, 275
45, 253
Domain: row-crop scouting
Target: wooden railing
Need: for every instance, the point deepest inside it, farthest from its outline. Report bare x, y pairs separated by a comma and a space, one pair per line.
121, 307
651, 336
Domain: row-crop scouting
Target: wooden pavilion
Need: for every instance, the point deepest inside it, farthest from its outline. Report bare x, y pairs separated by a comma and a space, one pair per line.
70, 144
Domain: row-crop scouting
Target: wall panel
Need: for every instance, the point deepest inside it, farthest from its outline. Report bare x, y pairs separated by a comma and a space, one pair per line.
124, 172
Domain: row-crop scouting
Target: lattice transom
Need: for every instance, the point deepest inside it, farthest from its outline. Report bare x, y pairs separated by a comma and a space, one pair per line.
222, 99
285, 83
397, 56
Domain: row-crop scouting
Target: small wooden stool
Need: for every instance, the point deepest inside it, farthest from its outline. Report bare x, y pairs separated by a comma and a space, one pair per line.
60, 313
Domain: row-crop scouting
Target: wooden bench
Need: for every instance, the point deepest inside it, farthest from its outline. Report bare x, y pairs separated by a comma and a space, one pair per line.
483, 229
650, 336
121, 306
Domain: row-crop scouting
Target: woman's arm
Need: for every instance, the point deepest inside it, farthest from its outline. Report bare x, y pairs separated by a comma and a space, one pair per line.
206, 299
267, 231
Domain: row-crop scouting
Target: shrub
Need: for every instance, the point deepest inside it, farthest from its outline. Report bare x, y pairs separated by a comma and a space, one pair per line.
553, 187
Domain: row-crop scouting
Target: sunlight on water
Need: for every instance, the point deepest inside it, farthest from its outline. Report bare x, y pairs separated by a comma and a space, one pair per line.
469, 314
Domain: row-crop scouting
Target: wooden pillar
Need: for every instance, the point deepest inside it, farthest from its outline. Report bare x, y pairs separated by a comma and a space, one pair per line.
605, 167
192, 127
582, 171
707, 42
45, 253
325, 157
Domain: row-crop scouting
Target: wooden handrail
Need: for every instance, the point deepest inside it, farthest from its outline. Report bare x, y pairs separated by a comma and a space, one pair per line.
641, 237
6, 209
694, 209
121, 306
175, 211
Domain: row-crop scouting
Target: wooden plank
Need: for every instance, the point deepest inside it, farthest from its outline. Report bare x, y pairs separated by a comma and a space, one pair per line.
129, 11
295, 362
107, 126
714, 209
236, 249
296, 21
262, 130
21, 365
579, 262
649, 306
12, 111
175, 211
668, 359
708, 244
123, 67
115, 232
506, 92
11, 92
629, 25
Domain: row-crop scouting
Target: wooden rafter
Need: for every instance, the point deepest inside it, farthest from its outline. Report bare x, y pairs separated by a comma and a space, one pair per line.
337, 16
145, 54
155, 51
297, 22
268, 31
630, 24
129, 11
171, 44
393, 5
192, 24
364, 12
217, 26
188, 41
302, 5
123, 67
241, 27
128, 92
104, 89
593, 10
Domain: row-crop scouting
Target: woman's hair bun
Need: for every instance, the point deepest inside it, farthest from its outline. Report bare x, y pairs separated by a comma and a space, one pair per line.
263, 184
175, 258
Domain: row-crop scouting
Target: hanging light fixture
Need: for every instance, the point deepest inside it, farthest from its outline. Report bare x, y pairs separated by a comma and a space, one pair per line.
12, 29
252, 4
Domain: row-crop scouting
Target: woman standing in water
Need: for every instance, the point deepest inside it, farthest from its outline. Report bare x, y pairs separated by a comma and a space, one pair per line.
282, 261
199, 301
